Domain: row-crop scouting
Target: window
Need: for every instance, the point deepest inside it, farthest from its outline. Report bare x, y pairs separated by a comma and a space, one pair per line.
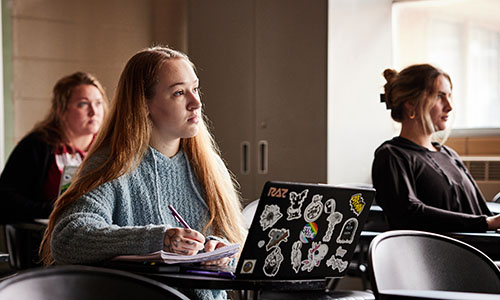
462, 37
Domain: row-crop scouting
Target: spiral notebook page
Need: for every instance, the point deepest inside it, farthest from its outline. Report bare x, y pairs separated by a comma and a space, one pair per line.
173, 258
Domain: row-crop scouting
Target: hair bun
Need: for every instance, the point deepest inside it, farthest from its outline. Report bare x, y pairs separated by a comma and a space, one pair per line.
389, 74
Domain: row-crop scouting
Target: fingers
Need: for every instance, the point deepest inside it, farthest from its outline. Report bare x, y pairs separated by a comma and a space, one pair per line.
211, 246
218, 262
183, 241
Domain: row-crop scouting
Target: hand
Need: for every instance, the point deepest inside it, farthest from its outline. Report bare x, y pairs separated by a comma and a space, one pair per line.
493, 222
183, 241
210, 246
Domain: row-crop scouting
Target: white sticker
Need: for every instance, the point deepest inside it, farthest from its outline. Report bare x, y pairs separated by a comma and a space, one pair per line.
261, 244
296, 200
248, 266
348, 231
314, 257
270, 216
340, 252
273, 262
330, 206
333, 219
296, 256
314, 209
276, 236
357, 204
337, 263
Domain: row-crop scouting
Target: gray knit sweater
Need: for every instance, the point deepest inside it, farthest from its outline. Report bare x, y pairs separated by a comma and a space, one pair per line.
130, 214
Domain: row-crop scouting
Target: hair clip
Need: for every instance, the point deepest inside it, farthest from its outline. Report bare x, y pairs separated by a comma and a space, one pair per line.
382, 100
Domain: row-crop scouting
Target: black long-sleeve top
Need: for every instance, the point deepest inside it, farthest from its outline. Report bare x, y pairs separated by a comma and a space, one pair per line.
426, 190
22, 196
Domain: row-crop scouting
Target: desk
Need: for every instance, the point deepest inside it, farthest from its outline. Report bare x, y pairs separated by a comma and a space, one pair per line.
488, 242
4, 257
444, 295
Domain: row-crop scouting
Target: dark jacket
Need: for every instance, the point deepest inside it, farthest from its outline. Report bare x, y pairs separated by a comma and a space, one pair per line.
426, 190
23, 179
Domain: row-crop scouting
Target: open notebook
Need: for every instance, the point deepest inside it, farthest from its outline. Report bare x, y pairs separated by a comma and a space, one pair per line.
173, 258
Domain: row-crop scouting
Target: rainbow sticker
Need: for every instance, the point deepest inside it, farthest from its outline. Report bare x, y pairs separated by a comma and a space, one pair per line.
308, 233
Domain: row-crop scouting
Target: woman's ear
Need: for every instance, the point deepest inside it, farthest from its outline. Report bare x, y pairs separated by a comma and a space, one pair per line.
410, 109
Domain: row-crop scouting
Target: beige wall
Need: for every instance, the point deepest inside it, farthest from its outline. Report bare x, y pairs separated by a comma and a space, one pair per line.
53, 38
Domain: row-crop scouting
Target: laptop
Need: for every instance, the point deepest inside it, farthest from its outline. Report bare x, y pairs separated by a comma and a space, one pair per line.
304, 231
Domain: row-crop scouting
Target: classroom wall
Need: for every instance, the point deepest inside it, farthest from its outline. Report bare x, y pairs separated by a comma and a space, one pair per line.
359, 49
51, 39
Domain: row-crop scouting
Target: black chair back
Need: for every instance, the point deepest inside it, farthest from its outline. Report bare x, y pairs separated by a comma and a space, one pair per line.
83, 282
23, 242
415, 260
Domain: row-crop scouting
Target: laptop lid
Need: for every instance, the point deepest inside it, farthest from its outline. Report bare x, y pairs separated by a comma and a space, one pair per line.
304, 231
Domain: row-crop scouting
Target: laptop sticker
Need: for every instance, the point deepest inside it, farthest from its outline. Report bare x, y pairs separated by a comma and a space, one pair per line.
276, 237
296, 200
248, 266
273, 262
277, 192
261, 243
337, 263
308, 233
333, 219
314, 257
348, 231
270, 216
357, 204
340, 251
296, 256
314, 209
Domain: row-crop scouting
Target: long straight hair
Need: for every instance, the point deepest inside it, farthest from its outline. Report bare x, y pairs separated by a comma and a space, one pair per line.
126, 136
51, 129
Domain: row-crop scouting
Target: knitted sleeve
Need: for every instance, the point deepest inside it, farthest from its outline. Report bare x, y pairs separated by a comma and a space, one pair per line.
85, 233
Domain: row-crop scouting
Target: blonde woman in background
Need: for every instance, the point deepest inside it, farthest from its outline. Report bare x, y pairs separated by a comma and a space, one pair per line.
30, 181
153, 151
422, 184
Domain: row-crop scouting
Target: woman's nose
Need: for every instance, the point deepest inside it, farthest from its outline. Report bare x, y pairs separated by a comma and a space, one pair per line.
91, 110
449, 104
195, 101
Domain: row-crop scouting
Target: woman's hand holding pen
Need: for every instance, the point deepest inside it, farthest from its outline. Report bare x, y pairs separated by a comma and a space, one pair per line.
183, 241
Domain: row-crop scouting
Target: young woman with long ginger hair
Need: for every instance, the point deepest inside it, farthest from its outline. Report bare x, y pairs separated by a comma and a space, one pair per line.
154, 150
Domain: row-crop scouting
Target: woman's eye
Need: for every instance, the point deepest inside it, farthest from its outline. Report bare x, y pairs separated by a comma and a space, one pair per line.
196, 89
178, 93
81, 104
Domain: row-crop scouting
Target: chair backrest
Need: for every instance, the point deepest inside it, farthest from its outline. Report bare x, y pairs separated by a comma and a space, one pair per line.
415, 260
23, 241
249, 212
496, 198
83, 282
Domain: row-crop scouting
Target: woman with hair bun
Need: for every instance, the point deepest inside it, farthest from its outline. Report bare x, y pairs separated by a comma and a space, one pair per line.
422, 184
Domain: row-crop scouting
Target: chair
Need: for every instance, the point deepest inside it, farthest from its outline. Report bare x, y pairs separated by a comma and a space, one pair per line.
23, 241
249, 212
83, 282
496, 198
415, 260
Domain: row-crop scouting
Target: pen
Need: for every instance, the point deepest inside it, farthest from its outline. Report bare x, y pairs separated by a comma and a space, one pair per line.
223, 274
178, 217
